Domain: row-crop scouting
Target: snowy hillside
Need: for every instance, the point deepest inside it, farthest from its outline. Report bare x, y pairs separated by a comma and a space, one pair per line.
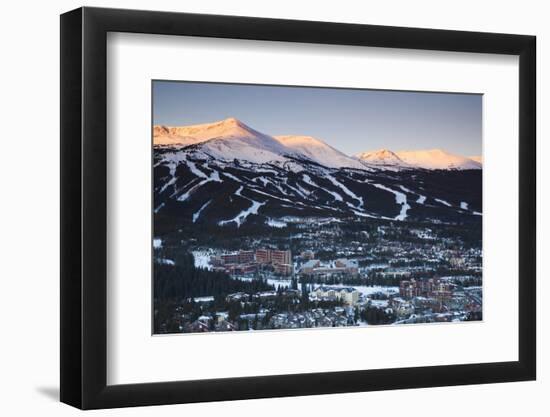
437, 159
382, 158
229, 128
226, 174
318, 151
238, 194
231, 139
425, 159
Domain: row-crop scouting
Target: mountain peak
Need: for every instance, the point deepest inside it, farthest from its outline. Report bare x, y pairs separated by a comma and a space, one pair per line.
381, 157
427, 159
192, 134
232, 121
382, 153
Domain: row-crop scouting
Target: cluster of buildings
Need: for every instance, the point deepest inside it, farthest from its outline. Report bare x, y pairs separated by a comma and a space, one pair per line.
416, 301
207, 323
246, 262
348, 295
433, 288
316, 317
313, 267
263, 295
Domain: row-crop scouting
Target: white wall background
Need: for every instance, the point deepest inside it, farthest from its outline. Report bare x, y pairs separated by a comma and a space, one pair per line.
29, 225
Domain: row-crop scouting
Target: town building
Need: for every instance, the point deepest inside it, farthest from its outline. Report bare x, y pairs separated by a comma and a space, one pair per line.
401, 307
246, 256
414, 288
273, 256
341, 267
241, 257
348, 295
281, 257
351, 266
263, 256
230, 258
308, 267
283, 269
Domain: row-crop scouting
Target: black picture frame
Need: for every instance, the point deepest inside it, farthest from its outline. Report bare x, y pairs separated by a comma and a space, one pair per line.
84, 207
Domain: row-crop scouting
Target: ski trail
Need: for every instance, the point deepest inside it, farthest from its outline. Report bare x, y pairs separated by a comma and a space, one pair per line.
400, 199
446, 203
241, 217
346, 190
198, 213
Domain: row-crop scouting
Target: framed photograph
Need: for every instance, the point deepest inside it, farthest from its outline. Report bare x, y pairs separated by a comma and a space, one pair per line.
259, 208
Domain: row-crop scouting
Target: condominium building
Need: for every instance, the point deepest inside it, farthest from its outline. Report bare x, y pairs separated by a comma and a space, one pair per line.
267, 256
348, 295
281, 257
282, 269
263, 256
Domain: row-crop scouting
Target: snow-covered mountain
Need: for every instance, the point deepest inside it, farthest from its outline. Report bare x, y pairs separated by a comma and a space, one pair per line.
231, 139
437, 159
477, 158
318, 151
229, 128
225, 174
425, 159
234, 193
382, 158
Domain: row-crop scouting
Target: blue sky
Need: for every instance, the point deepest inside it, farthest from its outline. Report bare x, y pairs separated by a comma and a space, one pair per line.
350, 120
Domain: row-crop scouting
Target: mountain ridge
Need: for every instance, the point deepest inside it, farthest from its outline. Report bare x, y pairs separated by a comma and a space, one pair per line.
437, 159
226, 174
231, 138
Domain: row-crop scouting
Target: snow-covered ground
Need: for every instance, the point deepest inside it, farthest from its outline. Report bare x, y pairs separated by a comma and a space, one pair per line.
157, 243
346, 190
463, 205
241, 217
318, 151
263, 180
384, 158
366, 290
307, 179
203, 299
202, 259
362, 289
400, 198
271, 195
446, 203
215, 176
437, 159
197, 214
276, 223
285, 283
233, 177
238, 192
421, 198
337, 197
157, 209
